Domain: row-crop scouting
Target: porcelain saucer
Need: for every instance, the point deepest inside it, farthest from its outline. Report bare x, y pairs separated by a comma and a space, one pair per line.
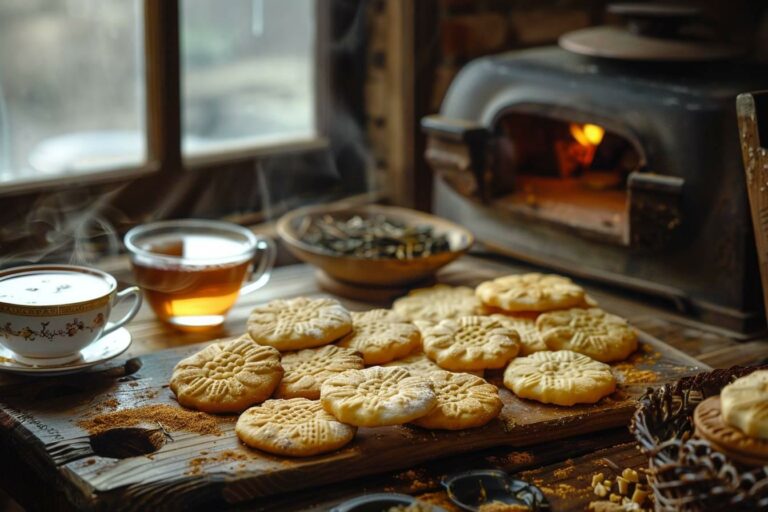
100, 351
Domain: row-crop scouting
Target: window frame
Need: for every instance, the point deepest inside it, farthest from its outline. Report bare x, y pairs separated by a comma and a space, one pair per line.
164, 158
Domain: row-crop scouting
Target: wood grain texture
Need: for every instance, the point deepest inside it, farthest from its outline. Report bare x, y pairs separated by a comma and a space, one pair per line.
752, 110
38, 421
190, 469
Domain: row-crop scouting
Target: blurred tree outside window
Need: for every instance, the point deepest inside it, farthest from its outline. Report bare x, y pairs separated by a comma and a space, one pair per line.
248, 73
72, 96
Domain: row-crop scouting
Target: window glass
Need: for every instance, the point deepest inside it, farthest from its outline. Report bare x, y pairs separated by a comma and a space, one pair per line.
248, 69
72, 91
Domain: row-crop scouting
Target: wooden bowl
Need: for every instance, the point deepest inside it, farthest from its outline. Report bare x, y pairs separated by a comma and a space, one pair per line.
382, 272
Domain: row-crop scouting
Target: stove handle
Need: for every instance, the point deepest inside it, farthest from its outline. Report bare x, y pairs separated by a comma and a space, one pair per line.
654, 209
457, 149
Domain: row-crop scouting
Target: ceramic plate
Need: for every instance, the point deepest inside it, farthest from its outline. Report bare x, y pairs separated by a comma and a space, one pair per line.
106, 348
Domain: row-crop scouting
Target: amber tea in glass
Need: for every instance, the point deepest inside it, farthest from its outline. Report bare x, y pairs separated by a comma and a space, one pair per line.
192, 271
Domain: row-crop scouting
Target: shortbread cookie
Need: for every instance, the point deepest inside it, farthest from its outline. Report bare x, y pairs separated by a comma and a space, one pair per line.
745, 404
299, 323
419, 364
227, 376
463, 401
431, 305
377, 396
531, 292
471, 343
381, 335
296, 427
307, 369
734, 443
563, 378
525, 326
591, 332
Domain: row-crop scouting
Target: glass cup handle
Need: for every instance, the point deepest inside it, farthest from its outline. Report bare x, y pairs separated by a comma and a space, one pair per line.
132, 292
263, 270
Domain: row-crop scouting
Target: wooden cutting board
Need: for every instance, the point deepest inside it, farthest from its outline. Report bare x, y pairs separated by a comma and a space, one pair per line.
39, 419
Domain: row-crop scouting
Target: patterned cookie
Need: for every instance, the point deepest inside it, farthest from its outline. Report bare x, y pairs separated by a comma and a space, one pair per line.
471, 343
525, 326
563, 378
734, 443
530, 292
307, 369
419, 364
297, 427
377, 396
381, 335
227, 376
745, 404
299, 323
463, 401
591, 332
431, 305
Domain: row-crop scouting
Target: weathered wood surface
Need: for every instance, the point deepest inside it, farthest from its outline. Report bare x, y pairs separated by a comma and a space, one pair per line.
752, 109
43, 415
65, 481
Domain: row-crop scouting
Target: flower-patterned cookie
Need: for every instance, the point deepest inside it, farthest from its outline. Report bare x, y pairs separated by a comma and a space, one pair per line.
531, 292
431, 305
745, 404
471, 343
299, 323
297, 427
227, 376
419, 364
562, 377
306, 370
381, 335
525, 326
377, 396
463, 401
591, 332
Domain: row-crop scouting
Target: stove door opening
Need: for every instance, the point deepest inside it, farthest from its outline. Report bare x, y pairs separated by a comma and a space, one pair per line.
565, 172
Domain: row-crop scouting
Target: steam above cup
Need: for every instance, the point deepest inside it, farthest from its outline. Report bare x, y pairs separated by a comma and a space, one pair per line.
49, 313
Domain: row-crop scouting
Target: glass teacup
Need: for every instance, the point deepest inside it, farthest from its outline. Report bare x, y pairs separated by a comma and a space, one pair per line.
192, 271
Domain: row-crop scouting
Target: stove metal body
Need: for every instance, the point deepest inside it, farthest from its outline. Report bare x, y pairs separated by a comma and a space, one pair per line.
675, 225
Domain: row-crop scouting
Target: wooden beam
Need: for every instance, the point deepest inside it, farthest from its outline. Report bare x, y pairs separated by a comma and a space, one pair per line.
400, 88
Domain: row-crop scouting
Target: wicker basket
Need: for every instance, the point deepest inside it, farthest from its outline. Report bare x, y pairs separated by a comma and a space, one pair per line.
687, 474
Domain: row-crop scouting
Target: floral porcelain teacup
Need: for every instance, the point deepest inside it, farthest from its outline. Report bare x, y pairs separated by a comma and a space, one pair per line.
48, 313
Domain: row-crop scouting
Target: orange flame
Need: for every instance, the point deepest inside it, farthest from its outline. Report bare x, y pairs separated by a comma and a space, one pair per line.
588, 135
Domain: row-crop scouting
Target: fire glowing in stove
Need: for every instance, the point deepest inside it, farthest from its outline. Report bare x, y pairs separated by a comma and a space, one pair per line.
581, 150
587, 134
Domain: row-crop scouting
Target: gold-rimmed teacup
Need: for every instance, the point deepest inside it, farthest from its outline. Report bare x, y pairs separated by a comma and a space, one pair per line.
49, 313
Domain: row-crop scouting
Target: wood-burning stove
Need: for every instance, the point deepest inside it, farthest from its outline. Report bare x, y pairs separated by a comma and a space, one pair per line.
627, 172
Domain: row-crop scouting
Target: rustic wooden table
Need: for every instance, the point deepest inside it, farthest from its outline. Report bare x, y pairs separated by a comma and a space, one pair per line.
563, 469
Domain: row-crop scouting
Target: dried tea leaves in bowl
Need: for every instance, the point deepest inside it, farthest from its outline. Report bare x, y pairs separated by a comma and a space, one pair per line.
371, 237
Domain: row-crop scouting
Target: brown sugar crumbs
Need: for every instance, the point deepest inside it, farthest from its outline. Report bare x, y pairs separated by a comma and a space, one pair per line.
108, 404
563, 472
148, 394
632, 375
171, 418
196, 465
512, 459
419, 480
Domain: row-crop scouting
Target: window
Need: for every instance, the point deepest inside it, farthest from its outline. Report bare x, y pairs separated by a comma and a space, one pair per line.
248, 73
116, 112
88, 87
72, 97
